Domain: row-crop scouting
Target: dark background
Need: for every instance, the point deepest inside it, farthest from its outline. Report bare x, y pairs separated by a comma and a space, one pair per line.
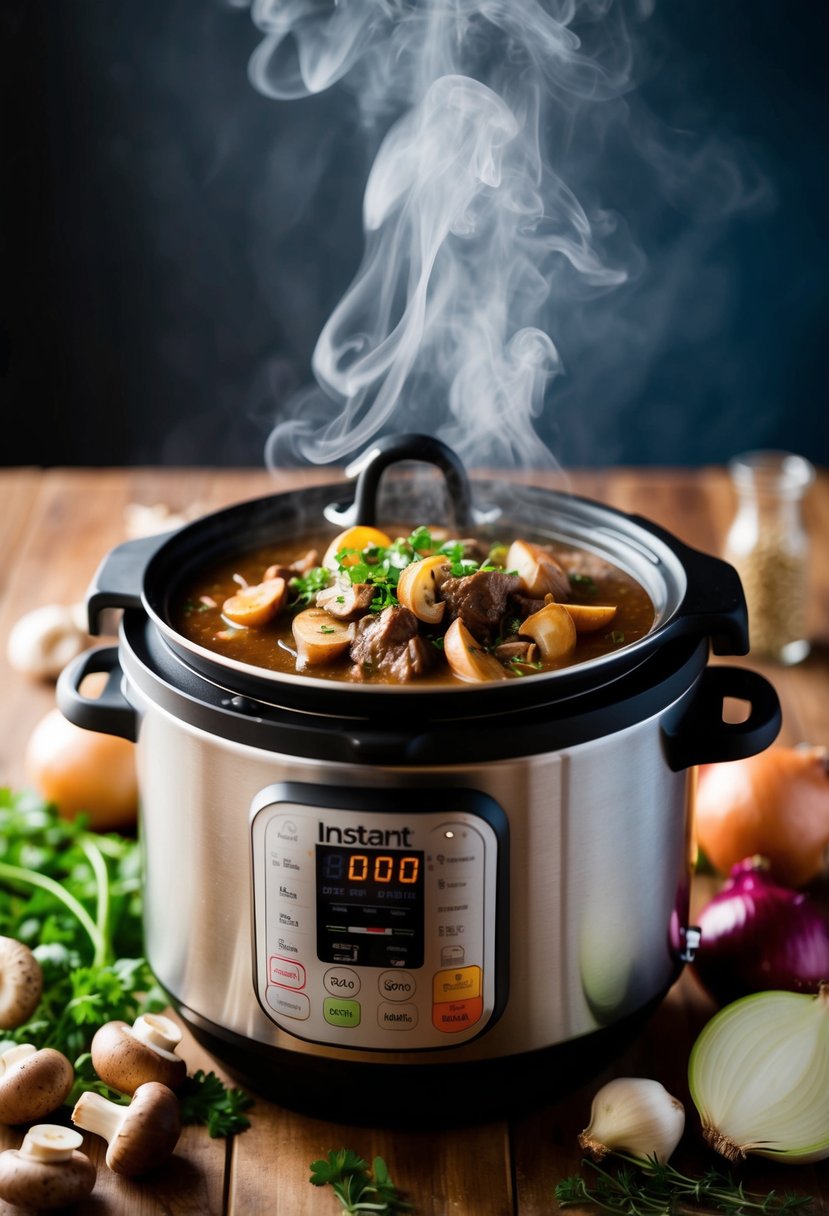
172, 242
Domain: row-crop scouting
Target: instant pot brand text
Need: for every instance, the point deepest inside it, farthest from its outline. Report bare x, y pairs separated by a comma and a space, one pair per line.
360, 834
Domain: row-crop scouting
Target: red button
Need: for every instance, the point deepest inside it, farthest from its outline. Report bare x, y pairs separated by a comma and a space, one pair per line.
452, 1016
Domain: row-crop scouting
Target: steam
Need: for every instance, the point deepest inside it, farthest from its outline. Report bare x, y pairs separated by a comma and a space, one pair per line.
477, 250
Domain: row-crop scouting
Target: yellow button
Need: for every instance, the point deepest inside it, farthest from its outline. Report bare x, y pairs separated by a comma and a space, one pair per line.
456, 984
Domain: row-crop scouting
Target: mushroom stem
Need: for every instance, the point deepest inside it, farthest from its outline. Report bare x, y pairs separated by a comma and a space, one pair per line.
13, 1055
96, 1114
50, 1142
157, 1031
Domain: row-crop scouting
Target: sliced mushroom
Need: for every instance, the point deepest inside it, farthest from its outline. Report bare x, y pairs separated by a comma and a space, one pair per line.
538, 570
44, 640
141, 1136
21, 983
125, 1056
359, 537
32, 1083
319, 637
467, 658
346, 600
419, 584
47, 1171
254, 606
552, 630
589, 617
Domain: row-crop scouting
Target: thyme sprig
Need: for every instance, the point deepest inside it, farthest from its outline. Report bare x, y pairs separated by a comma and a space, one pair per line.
653, 1188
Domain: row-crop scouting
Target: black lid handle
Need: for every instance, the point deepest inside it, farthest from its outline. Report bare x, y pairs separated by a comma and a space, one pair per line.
389, 450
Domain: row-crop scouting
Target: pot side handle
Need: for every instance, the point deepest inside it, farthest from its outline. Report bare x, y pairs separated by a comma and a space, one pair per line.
108, 714
695, 731
118, 581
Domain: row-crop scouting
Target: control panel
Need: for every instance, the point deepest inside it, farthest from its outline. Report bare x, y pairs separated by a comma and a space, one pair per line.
380, 916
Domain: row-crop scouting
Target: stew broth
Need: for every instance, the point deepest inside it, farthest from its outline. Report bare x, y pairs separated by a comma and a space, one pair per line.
239, 610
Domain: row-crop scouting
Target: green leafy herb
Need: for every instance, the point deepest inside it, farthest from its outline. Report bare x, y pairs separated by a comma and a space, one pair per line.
653, 1188
303, 588
583, 582
357, 1188
205, 1099
74, 897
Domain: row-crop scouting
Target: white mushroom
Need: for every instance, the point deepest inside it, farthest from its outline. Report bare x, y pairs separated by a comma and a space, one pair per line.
47, 1171
552, 630
256, 605
125, 1057
590, 617
33, 1082
21, 983
467, 658
45, 639
419, 584
141, 1136
538, 570
319, 637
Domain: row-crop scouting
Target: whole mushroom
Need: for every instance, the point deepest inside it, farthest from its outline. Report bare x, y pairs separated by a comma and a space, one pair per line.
43, 641
21, 983
140, 1136
125, 1057
33, 1082
47, 1171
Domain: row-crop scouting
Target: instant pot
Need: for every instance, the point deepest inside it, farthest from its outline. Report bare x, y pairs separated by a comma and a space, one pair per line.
405, 902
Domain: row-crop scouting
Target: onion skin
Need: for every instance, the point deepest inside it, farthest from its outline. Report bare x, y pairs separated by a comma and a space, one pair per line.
775, 804
758, 935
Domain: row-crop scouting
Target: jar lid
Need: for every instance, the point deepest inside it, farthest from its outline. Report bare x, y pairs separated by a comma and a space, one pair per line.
772, 472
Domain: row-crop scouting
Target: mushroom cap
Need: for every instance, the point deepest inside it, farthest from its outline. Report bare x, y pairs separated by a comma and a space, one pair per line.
148, 1133
34, 1085
123, 1061
21, 983
44, 1184
47, 1171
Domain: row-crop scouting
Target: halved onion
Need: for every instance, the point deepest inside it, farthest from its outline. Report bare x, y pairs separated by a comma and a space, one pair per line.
759, 1077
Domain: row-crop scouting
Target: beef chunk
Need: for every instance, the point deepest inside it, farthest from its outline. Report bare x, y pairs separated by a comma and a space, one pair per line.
480, 600
346, 600
389, 643
301, 566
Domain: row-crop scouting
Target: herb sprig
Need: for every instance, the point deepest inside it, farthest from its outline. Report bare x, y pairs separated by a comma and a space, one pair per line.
75, 898
653, 1188
358, 1188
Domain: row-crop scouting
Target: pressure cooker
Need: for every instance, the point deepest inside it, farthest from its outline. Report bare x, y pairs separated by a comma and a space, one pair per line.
417, 902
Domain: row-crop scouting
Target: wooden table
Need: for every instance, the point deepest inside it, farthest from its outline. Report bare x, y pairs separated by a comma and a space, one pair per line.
56, 526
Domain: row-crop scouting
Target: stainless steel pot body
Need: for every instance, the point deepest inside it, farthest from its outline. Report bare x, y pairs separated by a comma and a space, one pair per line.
534, 836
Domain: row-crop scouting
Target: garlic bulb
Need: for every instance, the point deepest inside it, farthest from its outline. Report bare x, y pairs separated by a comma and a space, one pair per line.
634, 1115
759, 1077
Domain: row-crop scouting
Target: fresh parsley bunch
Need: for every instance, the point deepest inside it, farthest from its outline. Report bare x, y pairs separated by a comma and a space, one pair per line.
357, 1188
74, 897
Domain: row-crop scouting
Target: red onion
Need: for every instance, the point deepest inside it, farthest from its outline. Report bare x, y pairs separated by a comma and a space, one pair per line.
757, 935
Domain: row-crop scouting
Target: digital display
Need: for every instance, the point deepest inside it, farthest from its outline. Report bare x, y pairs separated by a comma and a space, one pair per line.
370, 906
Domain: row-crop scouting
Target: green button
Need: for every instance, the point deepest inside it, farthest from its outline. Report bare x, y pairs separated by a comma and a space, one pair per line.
341, 1013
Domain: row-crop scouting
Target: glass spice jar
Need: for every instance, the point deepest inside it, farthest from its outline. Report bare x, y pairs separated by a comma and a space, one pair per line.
768, 544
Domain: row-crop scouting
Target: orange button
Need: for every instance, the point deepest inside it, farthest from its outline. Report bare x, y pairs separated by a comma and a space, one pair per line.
452, 1016
456, 984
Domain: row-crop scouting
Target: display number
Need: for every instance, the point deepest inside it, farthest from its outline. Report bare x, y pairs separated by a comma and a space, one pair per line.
379, 868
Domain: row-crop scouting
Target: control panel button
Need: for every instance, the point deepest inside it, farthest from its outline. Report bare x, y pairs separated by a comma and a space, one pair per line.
459, 983
341, 1013
289, 1004
286, 971
452, 1016
341, 981
397, 985
397, 1017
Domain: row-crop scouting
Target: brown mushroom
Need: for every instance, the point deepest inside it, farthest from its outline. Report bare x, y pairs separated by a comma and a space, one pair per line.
47, 1171
140, 1136
33, 1082
21, 983
125, 1057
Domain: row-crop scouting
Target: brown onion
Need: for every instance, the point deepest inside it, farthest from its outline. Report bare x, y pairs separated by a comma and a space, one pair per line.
757, 935
775, 804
